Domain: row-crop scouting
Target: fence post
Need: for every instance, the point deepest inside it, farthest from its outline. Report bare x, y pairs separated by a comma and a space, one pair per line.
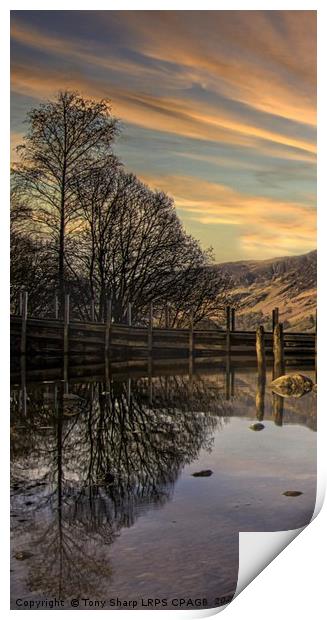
233, 319
260, 348
66, 323
227, 377
191, 337
150, 334
278, 344
261, 382
129, 314
108, 324
66, 383
260, 395
275, 318
228, 322
277, 409
56, 303
21, 297
24, 323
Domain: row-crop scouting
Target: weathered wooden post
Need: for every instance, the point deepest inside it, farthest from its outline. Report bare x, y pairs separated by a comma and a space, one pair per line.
227, 366
24, 323
232, 327
278, 345
129, 314
21, 297
108, 324
261, 363
92, 310
228, 324
66, 323
227, 377
260, 395
260, 348
277, 409
56, 305
66, 382
275, 318
55, 397
150, 334
191, 346
191, 337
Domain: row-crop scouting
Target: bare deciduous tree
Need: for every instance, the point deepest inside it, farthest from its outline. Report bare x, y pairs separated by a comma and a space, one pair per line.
134, 248
66, 137
87, 226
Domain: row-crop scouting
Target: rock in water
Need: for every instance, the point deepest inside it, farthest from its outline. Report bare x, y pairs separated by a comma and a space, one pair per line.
257, 426
204, 473
295, 385
292, 493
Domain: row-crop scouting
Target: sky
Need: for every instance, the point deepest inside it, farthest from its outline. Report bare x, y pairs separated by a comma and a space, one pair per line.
216, 108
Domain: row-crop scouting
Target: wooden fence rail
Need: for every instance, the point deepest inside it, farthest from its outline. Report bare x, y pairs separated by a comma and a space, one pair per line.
43, 336
40, 336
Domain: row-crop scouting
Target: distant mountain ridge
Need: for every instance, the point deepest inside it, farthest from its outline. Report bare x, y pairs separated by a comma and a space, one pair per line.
289, 282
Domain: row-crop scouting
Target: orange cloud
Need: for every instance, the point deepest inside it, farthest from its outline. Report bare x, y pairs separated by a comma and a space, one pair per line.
262, 222
192, 120
244, 79
258, 69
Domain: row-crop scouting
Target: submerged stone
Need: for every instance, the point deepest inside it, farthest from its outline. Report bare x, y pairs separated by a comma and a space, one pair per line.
295, 385
292, 493
203, 473
257, 426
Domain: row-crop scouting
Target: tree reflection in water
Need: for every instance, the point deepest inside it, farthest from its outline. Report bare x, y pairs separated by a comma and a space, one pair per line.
94, 461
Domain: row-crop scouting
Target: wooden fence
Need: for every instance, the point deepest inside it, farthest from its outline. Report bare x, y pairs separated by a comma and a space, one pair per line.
54, 337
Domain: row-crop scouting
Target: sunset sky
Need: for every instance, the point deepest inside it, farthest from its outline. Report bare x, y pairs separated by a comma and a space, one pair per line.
217, 108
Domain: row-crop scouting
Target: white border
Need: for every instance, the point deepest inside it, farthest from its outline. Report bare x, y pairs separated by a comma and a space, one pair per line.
294, 582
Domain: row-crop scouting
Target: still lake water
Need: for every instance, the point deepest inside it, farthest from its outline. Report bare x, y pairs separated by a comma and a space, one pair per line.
104, 504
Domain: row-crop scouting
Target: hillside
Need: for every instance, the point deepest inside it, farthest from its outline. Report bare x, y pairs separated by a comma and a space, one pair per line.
256, 287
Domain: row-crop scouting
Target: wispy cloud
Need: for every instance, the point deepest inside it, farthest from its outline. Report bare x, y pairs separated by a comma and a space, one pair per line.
241, 81
262, 223
169, 115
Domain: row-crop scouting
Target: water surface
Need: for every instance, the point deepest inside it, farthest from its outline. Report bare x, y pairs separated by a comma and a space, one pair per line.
104, 504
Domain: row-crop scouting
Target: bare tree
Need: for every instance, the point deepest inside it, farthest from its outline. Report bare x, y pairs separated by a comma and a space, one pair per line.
65, 138
134, 248
88, 226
